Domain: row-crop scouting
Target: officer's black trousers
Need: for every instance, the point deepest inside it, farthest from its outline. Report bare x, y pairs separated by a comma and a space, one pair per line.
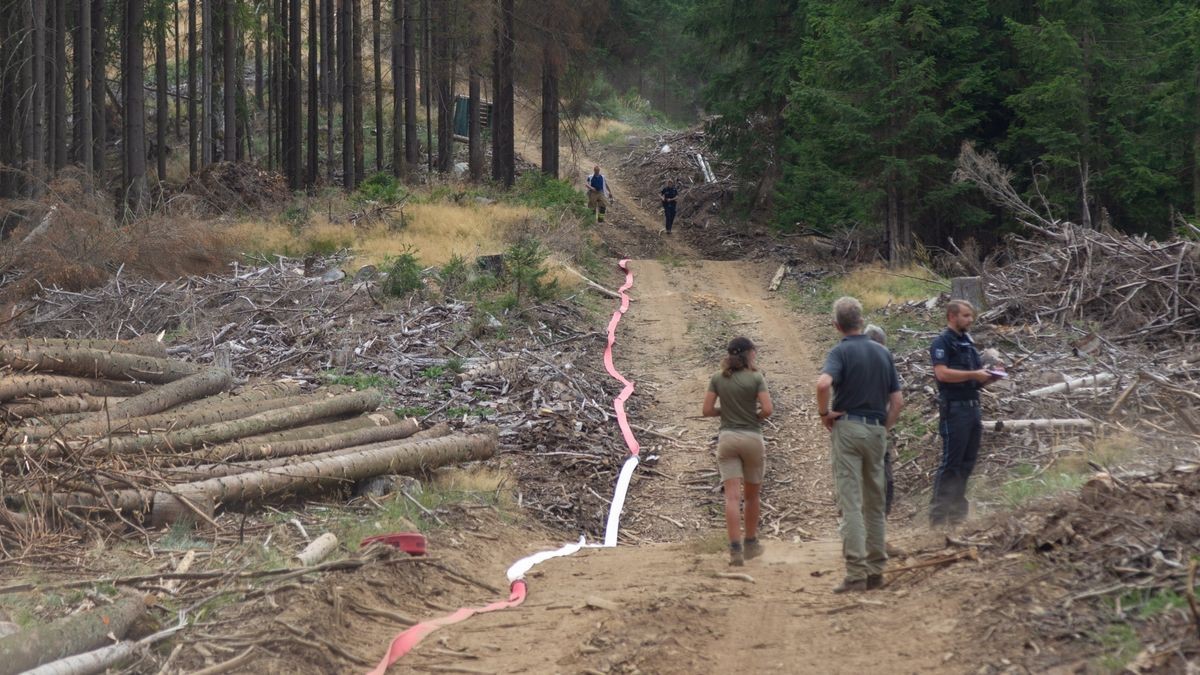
960, 428
669, 212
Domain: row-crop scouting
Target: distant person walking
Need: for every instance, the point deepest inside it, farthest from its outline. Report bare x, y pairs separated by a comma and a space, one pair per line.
598, 193
669, 196
879, 335
960, 375
866, 402
745, 403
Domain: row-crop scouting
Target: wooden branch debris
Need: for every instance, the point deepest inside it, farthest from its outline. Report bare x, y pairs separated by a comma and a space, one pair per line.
589, 283
318, 550
1072, 385
778, 278
1020, 425
971, 553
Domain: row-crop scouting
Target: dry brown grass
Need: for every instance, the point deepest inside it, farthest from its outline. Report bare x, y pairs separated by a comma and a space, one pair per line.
437, 231
877, 286
83, 245
603, 129
501, 484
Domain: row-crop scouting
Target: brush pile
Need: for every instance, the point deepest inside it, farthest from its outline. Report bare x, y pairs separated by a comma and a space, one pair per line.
1116, 556
236, 186
1133, 287
706, 184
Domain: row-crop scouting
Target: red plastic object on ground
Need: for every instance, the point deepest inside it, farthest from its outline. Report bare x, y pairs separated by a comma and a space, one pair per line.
411, 543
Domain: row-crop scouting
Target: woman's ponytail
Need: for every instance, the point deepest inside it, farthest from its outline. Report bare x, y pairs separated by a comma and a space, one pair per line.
738, 356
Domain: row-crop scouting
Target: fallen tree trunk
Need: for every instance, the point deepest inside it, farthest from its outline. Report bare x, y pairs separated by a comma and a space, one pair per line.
206, 471
1072, 385
316, 430
201, 385
321, 473
72, 635
144, 347
170, 421
43, 409
38, 386
1018, 425
95, 363
384, 430
284, 474
259, 392
13, 520
260, 423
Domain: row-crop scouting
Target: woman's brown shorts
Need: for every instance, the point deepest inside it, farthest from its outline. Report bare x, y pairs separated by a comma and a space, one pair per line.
741, 454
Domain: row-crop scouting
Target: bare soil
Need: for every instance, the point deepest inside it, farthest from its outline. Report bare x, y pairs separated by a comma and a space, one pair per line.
658, 602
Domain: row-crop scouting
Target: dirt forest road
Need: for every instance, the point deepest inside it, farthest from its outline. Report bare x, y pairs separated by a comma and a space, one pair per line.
658, 603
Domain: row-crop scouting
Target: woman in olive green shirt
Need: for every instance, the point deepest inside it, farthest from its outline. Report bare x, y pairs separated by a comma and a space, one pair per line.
745, 402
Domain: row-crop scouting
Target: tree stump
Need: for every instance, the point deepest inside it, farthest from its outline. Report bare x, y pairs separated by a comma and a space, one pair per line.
492, 264
969, 289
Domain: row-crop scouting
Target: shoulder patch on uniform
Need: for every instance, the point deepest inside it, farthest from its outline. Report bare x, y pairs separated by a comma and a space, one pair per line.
939, 353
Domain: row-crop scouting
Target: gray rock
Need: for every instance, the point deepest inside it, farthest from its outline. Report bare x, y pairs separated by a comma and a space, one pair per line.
381, 486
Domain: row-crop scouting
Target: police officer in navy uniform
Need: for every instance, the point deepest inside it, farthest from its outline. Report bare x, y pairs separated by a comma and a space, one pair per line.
960, 375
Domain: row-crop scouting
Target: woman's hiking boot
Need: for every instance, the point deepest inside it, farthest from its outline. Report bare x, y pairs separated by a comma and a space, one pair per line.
737, 557
753, 549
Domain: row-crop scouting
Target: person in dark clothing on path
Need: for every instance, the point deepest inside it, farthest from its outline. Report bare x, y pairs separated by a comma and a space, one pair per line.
669, 196
745, 403
960, 375
878, 335
598, 193
866, 403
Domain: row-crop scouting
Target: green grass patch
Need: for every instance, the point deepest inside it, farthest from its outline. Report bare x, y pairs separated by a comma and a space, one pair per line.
469, 411
537, 190
1147, 603
1029, 485
412, 411
433, 372
182, 537
877, 286
1121, 644
359, 381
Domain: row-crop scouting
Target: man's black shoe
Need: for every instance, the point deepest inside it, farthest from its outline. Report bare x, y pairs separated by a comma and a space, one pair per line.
874, 581
851, 586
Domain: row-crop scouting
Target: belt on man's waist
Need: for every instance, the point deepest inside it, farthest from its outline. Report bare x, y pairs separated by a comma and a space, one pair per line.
864, 420
974, 403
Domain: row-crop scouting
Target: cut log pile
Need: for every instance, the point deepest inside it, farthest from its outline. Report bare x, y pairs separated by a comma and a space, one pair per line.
173, 440
546, 390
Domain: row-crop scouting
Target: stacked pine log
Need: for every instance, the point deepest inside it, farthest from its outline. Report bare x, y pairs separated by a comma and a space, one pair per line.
116, 428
